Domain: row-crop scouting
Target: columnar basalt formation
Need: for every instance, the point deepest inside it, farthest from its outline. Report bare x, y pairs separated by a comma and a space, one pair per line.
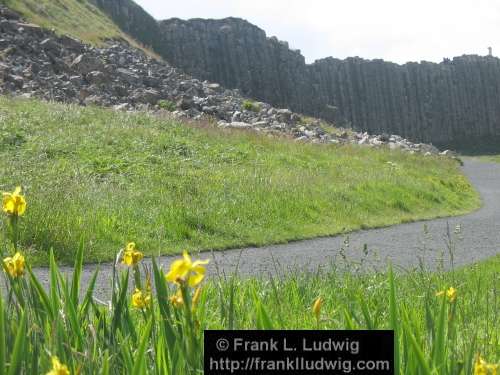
133, 20
450, 103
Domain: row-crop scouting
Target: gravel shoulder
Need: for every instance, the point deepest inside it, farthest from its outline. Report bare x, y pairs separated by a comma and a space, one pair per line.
472, 237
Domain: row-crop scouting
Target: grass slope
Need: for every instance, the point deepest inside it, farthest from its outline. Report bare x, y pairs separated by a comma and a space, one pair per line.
79, 19
112, 177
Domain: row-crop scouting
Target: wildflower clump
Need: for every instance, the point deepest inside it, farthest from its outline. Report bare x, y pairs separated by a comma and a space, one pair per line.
141, 299
481, 367
58, 368
131, 256
451, 294
14, 265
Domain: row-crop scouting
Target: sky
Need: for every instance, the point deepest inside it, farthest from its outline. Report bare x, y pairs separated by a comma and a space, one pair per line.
394, 30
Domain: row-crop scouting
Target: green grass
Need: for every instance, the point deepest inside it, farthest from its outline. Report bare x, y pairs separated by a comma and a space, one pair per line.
79, 19
109, 178
494, 158
251, 106
434, 335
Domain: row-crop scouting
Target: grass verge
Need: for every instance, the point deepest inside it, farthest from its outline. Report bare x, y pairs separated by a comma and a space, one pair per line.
109, 178
493, 158
161, 331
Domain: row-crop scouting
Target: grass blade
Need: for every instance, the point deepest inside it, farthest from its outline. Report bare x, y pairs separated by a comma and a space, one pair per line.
2, 337
140, 357
417, 351
77, 271
393, 309
17, 353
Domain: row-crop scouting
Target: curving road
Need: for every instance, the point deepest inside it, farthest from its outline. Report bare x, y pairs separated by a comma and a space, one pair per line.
472, 237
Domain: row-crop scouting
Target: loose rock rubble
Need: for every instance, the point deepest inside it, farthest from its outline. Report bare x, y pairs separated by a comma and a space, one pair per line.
35, 62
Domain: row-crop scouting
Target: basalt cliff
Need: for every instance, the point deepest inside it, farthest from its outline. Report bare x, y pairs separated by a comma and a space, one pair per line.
456, 102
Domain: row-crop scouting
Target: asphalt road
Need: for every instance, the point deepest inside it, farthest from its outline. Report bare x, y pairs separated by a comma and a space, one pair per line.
471, 237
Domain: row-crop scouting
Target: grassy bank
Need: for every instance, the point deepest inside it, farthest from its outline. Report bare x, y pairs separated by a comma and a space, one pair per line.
76, 18
66, 17
111, 177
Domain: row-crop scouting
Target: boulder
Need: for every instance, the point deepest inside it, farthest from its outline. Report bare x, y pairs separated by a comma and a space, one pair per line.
96, 77
185, 102
50, 45
18, 81
128, 76
145, 96
85, 64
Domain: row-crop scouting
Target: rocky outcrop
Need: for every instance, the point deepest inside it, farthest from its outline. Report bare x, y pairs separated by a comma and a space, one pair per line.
35, 62
133, 20
456, 102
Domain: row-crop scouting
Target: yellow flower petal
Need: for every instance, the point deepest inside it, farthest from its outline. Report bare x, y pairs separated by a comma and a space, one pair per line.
451, 293
58, 368
198, 265
196, 297
7, 203
140, 299
177, 299
178, 270
137, 256
14, 203
127, 258
186, 257
15, 265
195, 279
316, 308
182, 270
131, 256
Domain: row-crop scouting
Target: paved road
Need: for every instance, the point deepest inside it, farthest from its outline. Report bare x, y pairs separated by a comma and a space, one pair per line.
474, 237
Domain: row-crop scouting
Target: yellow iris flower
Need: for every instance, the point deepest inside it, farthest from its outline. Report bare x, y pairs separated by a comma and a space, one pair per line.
185, 270
451, 294
316, 308
140, 299
14, 265
481, 367
177, 299
131, 256
14, 203
58, 368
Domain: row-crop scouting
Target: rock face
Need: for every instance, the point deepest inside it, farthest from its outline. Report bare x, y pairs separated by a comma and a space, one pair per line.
455, 102
133, 20
37, 63
238, 55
